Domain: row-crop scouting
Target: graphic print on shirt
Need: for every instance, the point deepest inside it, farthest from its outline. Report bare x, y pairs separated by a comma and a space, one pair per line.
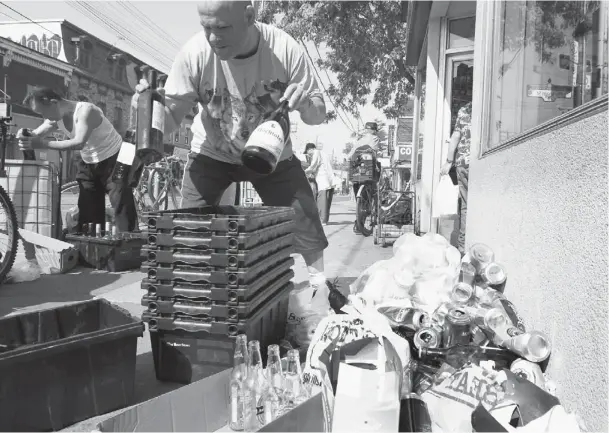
234, 117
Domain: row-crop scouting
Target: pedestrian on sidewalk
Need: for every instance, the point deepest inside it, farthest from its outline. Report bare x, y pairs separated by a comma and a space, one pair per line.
323, 173
458, 154
238, 70
99, 143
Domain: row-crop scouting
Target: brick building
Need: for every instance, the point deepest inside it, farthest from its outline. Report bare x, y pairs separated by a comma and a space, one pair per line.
96, 71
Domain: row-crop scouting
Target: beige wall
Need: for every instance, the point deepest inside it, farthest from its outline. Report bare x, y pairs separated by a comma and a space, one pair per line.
542, 206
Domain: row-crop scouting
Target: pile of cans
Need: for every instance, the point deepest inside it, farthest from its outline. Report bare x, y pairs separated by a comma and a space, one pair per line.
212, 273
478, 324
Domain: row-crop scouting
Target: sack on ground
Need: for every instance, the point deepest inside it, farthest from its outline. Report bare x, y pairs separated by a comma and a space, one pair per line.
445, 198
307, 307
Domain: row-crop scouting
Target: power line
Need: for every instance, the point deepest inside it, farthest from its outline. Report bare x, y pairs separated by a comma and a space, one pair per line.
325, 90
359, 118
140, 15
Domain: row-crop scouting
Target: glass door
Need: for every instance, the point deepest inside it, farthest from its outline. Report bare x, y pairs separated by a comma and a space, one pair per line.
459, 84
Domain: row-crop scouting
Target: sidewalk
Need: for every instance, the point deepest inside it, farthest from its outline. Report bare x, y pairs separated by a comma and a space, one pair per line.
346, 257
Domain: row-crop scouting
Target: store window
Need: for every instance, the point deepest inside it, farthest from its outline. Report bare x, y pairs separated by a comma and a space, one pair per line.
548, 58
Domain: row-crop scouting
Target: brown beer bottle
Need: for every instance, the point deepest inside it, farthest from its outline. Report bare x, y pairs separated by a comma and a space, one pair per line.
265, 146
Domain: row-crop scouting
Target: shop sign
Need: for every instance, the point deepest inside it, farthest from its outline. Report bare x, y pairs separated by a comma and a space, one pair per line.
404, 153
549, 92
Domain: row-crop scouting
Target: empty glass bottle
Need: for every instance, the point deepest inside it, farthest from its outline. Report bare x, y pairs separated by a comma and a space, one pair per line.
238, 396
255, 384
272, 398
295, 391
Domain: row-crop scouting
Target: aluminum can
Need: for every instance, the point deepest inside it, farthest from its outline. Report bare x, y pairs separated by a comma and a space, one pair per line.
480, 255
462, 294
457, 328
91, 229
494, 276
467, 273
98, 230
528, 370
427, 338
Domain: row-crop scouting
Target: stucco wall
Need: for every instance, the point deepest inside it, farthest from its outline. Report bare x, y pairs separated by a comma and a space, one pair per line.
542, 206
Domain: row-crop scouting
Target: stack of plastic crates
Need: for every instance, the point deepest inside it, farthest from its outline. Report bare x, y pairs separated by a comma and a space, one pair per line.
212, 273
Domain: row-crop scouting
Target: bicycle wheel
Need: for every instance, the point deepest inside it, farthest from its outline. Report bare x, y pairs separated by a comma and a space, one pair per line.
366, 210
9, 234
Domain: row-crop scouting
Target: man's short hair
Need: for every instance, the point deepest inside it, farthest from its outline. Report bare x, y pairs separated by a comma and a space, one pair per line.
42, 94
309, 146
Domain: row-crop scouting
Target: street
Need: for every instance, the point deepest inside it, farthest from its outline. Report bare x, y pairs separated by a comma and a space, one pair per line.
346, 257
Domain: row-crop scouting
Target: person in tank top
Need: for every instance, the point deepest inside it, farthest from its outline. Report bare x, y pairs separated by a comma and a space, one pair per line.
91, 133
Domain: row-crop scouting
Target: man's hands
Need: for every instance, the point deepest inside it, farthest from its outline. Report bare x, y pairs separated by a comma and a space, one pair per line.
445, 168
31, 142
297, 97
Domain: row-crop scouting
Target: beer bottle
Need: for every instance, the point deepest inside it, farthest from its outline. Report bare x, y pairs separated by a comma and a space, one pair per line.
414, 415
274, 390
265, 146
28, 154
157, 125
256, 384
126, 156
239, 398
459, 355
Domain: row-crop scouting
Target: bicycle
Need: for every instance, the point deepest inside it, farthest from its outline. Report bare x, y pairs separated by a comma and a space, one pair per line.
147, 196
365, 171
9, 226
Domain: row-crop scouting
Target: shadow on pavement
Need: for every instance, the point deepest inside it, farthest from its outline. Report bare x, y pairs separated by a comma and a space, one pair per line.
53, 289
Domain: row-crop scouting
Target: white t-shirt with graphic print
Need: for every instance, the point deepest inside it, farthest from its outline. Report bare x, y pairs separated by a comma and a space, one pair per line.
234, 95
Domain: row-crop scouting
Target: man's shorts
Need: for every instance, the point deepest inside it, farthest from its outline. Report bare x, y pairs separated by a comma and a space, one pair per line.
206, 179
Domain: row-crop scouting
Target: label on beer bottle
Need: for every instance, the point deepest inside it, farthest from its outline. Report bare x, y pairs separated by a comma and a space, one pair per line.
268, 136
513, 315
126, 154
158, 116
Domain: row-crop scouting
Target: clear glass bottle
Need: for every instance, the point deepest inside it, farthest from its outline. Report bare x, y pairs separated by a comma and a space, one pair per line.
238, 397
272, 399
255, 384
295, 391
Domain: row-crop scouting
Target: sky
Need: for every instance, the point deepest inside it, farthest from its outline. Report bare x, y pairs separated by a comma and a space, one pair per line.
162, 27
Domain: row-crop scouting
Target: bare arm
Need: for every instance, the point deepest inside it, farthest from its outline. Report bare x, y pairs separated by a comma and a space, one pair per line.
46, 128
88, 119
452, 146
181, 91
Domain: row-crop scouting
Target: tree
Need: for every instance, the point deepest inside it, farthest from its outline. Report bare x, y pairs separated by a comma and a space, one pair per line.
365, 48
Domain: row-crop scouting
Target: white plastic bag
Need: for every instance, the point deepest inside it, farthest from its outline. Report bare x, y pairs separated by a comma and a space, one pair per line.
24, 271
446, 198
307, 307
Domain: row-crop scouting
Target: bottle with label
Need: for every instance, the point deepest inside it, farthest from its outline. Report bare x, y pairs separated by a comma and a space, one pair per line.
267, 142
126, 156
272, 400
414, 415
144, 110
157, 123
295, 391
255, 385
239, 398
494, 299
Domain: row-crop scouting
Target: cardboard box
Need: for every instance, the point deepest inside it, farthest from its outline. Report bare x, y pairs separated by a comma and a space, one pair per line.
53, 256
203, 407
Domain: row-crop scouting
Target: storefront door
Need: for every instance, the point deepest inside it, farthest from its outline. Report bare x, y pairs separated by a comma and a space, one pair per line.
458, 85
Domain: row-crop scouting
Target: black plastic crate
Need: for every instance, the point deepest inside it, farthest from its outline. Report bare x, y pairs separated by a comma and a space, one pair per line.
215, 275
176, 308
218, 293
63, 365
217, 241
232, 219
112, 254
185, 356
223, 258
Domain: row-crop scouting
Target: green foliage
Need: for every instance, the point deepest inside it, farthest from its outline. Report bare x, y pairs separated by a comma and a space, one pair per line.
365, 48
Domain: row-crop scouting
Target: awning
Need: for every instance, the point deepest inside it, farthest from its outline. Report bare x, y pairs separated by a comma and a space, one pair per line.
418, 18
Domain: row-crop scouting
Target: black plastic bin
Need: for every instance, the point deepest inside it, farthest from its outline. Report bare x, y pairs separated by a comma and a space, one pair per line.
184, 356
64, 365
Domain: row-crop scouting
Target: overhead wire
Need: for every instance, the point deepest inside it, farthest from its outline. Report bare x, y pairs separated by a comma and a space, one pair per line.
359, 117
141, 16
336, 107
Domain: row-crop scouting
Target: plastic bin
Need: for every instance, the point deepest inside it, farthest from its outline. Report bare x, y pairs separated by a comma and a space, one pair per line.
216, 275
167, 307
114, 255
63, 365
205, 241
222, 258
217, 293
34, 190
231, 219
184, 357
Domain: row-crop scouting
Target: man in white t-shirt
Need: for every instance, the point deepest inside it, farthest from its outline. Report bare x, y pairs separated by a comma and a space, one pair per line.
321, 169
237, 70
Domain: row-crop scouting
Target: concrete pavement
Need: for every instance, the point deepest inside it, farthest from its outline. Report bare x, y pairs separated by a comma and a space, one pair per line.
346, 257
